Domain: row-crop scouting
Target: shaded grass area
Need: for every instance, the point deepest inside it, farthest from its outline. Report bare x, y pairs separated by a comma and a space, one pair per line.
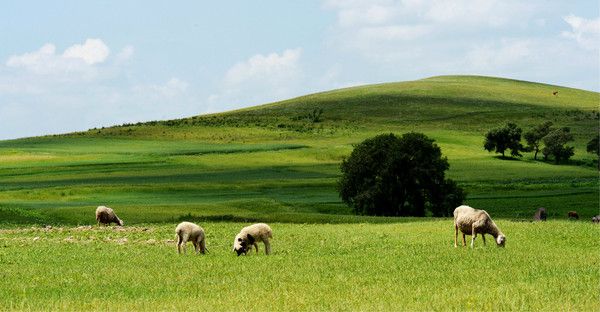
347, 267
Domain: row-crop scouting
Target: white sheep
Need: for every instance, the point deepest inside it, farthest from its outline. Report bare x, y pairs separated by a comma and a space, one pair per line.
250, 236
106, 216
472, 221
187, 231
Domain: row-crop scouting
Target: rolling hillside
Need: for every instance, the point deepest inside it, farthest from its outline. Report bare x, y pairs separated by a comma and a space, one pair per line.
276, 162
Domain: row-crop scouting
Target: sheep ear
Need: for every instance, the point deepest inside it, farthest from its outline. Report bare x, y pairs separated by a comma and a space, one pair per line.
250, 239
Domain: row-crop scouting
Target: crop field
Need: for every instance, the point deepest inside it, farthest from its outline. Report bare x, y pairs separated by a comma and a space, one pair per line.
279, 163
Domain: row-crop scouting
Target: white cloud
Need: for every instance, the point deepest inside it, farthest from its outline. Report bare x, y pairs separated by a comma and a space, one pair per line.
585, 31
91, 52
493, 37
126, 53
272, 67
43, 55
172, 88
76, 62
500, 55
394, 32
259, 79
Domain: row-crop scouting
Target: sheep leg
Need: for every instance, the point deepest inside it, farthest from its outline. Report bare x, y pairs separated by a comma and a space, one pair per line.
464, 240
256, 247
202, 245
267, 247
474, 233
196, 246
455, 235
483, 238
184, 241
178, 244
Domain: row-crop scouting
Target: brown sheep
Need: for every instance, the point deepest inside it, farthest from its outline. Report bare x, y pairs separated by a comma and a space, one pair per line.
573, 215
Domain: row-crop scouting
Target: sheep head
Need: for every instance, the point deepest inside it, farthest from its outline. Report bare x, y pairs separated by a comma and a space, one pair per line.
501, 240
240, 245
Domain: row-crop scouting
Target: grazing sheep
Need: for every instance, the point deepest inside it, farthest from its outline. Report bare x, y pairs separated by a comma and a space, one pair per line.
596, 219
573, 215
250, 236
540, 214
472, 221
107, 216
187, 231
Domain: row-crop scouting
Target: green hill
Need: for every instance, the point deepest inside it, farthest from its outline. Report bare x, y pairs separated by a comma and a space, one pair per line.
280, 161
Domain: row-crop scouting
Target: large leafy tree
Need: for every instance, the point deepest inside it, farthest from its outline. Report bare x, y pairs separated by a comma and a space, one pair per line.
398, 176
554, 145
535, 135
504, 138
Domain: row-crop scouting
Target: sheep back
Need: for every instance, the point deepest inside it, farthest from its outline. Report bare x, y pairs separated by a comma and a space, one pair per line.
106, 215
260, 232
192, 231
465, 217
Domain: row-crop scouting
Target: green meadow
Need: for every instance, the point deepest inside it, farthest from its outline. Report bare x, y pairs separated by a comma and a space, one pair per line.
277, 163
342, 267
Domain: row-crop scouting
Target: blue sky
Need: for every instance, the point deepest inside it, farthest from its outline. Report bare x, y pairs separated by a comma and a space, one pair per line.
74, 65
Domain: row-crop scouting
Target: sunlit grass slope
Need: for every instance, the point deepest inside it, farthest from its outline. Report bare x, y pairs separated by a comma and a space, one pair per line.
413, 266
273, 162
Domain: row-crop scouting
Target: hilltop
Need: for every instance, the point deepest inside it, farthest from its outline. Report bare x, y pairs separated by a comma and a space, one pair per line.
280, 161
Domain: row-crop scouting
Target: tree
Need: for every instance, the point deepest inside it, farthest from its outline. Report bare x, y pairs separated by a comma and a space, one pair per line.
398, 176
554, 144
503, 138
535, 136
592, 146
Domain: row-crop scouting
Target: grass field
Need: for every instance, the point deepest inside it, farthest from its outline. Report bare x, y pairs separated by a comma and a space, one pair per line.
272, 163
347, 267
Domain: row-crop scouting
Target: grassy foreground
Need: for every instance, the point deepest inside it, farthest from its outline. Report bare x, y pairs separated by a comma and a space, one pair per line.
400, 266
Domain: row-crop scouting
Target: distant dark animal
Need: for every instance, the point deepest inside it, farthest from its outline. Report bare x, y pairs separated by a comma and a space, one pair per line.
573, 215
555, 93
596, 219
540, 214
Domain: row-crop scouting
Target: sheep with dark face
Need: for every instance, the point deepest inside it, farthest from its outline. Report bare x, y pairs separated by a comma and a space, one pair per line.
250, 236
596, 219
106, 216
187, 231
472, 221
540, 214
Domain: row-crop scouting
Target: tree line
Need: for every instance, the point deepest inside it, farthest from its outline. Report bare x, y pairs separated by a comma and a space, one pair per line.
551, 142
389, 175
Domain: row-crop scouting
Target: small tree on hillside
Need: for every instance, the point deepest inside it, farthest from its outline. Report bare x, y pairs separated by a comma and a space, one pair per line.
592, 147
535, 135
503, 138
398, 176
554, 145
